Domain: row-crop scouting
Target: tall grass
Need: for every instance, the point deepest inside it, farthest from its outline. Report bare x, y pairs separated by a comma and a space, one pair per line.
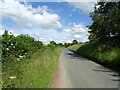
106, 54
35, 72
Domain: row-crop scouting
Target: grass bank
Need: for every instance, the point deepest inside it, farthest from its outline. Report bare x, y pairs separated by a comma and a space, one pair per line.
35, 72
108, 55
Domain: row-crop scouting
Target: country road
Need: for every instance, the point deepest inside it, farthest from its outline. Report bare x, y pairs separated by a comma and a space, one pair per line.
75, 71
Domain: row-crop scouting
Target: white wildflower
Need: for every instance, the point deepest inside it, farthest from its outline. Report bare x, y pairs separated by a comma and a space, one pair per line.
21, 56
7, 48
12, 77
12, 44
18, 59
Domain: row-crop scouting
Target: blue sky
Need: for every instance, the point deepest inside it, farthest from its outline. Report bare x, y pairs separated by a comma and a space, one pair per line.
47, 21
67, 12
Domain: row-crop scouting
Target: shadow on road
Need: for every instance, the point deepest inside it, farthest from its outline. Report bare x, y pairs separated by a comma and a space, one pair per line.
75, 56
116, 76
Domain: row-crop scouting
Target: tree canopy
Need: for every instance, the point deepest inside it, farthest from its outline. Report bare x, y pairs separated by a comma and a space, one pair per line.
106, 22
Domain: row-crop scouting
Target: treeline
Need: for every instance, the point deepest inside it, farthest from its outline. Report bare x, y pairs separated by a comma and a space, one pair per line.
70, 44
21, 46
53, 44
106, 23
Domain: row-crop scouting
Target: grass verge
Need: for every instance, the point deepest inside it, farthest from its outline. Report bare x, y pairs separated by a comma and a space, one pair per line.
108, 55
35, 72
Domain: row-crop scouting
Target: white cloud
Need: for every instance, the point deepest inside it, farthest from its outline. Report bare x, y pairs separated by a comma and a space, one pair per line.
39, 20
1, 32
27, 16
86, 7
78, 32
77, 29
46, 40
77, 36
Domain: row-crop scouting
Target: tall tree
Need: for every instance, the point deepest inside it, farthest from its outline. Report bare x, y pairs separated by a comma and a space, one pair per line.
106, 21
74, 42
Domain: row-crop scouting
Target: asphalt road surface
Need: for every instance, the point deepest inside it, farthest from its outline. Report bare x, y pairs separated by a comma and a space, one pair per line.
75, 71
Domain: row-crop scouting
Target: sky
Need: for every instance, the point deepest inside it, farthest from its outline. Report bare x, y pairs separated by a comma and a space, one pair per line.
61, 22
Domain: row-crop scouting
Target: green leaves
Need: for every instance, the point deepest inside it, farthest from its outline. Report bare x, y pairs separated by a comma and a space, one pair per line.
21, 45
23, 55
106, 25
74, 42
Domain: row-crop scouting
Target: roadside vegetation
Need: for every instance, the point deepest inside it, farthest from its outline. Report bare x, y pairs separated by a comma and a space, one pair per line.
107, 55
104, 39
27, 63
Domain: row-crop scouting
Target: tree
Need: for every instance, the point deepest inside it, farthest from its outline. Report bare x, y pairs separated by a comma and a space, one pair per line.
52, 45
67, 44
75, 42
106, 22
60, 44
